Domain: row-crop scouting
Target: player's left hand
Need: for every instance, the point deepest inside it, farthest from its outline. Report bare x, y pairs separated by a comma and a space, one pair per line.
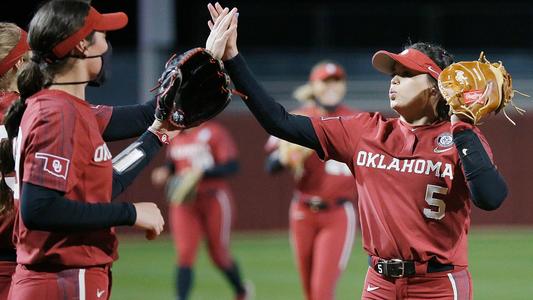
221, 30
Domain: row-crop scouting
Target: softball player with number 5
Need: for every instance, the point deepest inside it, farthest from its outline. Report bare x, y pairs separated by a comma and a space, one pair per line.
416, 175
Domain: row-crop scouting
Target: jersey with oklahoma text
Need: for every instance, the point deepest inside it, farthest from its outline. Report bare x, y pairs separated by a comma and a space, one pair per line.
203, 147
330, 180
413, 198
60, 147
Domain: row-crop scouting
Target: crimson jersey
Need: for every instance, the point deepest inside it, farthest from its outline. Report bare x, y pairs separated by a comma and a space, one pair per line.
413, 198
330, 180
203, 147
7, 220
60, 147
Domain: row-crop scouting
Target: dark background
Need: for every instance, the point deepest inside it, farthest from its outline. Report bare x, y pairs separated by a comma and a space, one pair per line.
337, 23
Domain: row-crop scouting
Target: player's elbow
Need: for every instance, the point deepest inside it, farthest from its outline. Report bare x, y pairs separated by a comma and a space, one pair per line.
489, 197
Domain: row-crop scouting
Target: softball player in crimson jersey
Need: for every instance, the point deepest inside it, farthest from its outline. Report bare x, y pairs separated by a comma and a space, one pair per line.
65, 180
321, 217
416, 175
210, 149
13, 53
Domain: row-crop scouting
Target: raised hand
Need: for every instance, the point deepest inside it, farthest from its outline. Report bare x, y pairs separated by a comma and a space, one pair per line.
222, 40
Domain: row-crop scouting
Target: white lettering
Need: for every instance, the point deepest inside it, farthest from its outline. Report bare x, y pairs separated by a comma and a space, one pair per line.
433, 168
102, 153
448, 171
371, 160
380, 164
420, 166
395, 164
408, 164
361, 158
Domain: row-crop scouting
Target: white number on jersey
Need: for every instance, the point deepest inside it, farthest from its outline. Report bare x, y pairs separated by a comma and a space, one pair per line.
440, 205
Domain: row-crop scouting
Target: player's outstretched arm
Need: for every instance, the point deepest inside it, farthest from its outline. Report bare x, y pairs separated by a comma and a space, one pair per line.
273, 117
129, 121
131, 161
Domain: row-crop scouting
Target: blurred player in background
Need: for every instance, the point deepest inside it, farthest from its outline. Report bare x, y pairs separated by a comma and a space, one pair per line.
321, 218
13, 54
416, 175
201, 203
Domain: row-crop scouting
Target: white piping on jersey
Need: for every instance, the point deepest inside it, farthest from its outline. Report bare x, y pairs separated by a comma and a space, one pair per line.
454, 287
81, 283
350, 233
418, 166
225, 208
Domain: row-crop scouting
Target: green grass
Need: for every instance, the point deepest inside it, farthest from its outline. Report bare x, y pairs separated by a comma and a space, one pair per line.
501, 262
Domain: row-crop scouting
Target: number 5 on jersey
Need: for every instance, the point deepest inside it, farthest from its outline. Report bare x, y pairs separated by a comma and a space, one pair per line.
433, 202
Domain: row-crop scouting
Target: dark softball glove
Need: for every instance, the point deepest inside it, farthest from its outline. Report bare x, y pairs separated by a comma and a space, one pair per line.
193, 88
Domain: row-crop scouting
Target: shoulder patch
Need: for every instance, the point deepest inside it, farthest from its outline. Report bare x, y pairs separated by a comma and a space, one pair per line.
55, 165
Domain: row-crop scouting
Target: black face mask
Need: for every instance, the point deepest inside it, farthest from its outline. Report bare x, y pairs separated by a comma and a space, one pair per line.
105, 71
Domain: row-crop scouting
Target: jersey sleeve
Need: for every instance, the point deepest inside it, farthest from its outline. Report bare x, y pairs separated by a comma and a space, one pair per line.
103, 115
49, 149
222, 145
338, 136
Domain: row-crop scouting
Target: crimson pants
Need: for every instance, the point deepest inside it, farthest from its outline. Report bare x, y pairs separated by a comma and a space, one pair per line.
207, 215
322, 243
73, 284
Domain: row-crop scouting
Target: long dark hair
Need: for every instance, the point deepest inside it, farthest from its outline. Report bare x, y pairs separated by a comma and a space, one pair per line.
443, 59
53, 22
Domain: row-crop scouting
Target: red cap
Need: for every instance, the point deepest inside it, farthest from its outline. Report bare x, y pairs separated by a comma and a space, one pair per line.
15, 54
327, 70
94, 21
410, 58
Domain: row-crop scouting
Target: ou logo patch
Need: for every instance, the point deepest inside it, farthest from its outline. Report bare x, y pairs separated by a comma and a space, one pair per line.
54, 164
57, 166
102, 153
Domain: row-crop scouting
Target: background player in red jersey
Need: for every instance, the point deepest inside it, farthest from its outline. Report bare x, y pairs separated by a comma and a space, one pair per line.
64, 236
416, 175
207, 150
321, 218
13, 54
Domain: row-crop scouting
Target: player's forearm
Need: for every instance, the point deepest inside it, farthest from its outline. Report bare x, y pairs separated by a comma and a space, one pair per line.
487, 187
46, 209
270, 114
129, 121
131, 161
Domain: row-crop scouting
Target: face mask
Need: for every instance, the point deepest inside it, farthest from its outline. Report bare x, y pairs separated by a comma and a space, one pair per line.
102, 75
104, 69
